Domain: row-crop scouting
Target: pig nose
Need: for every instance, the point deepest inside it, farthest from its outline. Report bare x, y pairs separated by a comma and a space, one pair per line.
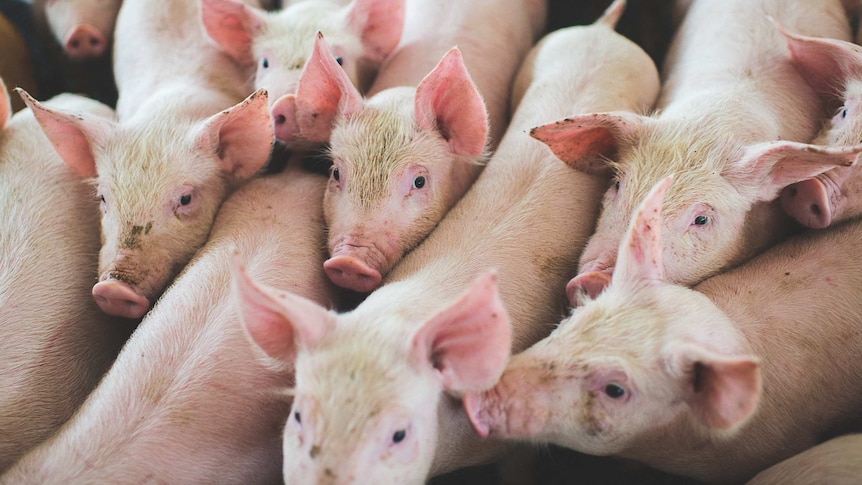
352, 273
85, 41
284, 118
117, 298
593, 283
808, 203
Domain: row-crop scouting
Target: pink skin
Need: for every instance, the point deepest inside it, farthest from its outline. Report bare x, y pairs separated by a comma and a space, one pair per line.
828, 64
83, 27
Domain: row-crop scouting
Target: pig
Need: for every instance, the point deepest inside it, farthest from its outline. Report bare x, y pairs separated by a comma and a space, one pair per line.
833, 67
395, 417
188, 399
837, 461
733, 121
180, 145
713, 383
55, 342
83, 27
361, 34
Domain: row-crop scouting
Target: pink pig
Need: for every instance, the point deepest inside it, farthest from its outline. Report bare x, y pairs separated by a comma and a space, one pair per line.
188, 400
834, 69
714, 383
361, 34
837, 462
83, 27
731, 118
377, 388
55, 342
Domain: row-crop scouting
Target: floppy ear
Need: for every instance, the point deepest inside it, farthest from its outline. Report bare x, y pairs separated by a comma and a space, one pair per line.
447, 100
71, 135
584, 141
468, 342
324, 91
640, 253
277, 321
766, 168
241, 136
379, 24
232, 25
721, 391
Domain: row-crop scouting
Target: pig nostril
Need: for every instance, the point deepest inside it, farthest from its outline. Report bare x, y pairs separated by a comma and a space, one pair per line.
94, 42
280, 119
792, 191
74, 44
815, 209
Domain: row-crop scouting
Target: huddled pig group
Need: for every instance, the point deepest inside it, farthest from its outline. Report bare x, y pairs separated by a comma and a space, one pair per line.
528, 235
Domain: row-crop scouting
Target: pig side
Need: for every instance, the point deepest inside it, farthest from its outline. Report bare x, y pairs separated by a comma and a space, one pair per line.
833, 67
188, 400
401, 359
276, 45
714, 383
83, 27
55, 342
837, 461
730, 92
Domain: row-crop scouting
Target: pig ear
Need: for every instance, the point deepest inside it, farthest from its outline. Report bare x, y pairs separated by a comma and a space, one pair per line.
232, 25
276, 321
586, 141
612, 14
241, 136
448, 101
722, 391
469, 342
640, 253
379, 24
766, 168
324, 91
826, 64
5, 105
71, 135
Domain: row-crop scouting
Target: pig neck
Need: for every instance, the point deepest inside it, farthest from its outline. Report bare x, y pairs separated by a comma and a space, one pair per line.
800, 338
157, 42
431, 28
188, 365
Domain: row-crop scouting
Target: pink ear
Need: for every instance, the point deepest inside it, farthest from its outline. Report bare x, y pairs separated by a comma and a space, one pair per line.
612, 14
5, 105
584, 141
379, 23
232, 25
324, 91
826, 64
70, 134
721, 391
766, 168
448, 101
242, 136
469, 342
278, 322
640, 253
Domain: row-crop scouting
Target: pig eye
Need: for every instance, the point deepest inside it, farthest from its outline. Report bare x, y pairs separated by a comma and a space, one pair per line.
297, 417
701, 220
264, 63
399, 436
336, 175
419, 182
339, 60
617, 185
614, 391
102, 198
843, 112
186, 199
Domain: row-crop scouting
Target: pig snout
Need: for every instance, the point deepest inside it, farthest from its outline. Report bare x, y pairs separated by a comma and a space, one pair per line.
348, 271
809, 203
284, 118
115, 297
84, 42
591, 282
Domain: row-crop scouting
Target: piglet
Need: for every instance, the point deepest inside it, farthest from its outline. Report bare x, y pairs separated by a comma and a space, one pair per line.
54, 341
188, 400
734, 118
361, 34
837, 461
83, 27
377, 388
714, 383
833, 67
